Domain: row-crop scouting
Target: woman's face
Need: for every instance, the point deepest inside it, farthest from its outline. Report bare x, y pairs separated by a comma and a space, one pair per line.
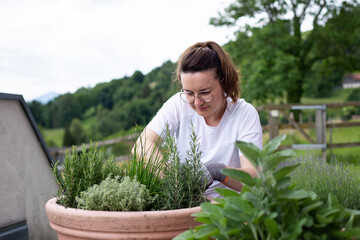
201, 84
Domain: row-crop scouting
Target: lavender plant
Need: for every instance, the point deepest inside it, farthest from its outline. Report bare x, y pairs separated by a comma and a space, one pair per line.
335, 177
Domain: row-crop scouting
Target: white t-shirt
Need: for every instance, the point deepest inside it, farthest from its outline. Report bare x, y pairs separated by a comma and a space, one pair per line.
217, 144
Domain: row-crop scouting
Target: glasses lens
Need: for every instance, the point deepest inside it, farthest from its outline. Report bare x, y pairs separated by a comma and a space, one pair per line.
190, 98
207, 97
186, 97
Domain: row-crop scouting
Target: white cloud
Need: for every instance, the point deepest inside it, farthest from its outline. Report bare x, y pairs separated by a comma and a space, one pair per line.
62, 45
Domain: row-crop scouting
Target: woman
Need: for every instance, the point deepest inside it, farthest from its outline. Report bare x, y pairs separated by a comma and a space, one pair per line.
210, 100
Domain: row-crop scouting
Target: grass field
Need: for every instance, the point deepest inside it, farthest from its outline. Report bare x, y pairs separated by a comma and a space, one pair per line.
338, 95
53, 137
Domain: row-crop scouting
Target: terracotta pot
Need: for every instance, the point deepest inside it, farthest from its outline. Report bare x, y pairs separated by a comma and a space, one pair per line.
71, 223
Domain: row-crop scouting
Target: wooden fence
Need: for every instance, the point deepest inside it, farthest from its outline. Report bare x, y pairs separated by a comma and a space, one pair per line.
321, 124
59, 153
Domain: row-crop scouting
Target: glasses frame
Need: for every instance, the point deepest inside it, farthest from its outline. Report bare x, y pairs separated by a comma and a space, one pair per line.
198, 95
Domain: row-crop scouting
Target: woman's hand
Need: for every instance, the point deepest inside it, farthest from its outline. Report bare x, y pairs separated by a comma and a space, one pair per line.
212, 172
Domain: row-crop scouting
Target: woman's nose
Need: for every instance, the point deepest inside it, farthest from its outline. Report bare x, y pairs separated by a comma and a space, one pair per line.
198, 101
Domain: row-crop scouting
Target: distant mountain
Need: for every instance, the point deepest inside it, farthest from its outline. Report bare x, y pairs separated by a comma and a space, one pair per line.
47, 97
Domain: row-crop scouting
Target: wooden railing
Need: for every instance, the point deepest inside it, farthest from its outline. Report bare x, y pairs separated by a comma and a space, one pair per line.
59, 153
320, 124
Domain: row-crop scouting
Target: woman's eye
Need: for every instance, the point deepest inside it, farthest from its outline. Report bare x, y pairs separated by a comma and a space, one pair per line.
205, 93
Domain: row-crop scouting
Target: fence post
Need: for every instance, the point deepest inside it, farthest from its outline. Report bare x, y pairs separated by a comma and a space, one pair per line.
273, 124
320, 125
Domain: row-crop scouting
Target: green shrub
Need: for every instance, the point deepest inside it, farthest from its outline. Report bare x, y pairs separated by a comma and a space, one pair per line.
82, 170
269, 207
183, 186
338, 178
113, 195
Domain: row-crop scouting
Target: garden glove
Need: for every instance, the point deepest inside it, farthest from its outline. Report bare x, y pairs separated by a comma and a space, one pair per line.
211, 172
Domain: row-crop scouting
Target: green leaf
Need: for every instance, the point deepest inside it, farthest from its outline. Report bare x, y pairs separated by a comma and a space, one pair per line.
200, 214
187, 235
273, 215
226, 193
273, 144
272, 161
293, 194
250, 197
283, 183
214, 211
219, 201
333, 201
272, 227
282, 172
329, 211
207, 231
250, 151
323, 221
350, 222
236, 216
290, 214
311, 205
239, 204
298, 225
204, 220
239, 175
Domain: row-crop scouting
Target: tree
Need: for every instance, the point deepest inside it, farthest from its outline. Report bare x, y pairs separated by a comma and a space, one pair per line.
77, 132
36, 109
279, 54
338, 41
74, 133
64, 109
68, 139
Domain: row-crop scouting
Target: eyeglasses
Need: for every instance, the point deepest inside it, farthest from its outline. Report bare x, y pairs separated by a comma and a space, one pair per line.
189, 97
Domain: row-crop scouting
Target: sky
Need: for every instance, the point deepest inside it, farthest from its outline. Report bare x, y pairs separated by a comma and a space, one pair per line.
63, 45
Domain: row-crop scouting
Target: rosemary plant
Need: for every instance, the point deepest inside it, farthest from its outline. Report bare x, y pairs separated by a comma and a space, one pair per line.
82, 170
182, 186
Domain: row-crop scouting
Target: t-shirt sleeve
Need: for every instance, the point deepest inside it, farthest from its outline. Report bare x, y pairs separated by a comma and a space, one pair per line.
168, 114
250, 127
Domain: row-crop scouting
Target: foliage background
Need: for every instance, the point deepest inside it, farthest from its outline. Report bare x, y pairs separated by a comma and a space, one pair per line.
291, 66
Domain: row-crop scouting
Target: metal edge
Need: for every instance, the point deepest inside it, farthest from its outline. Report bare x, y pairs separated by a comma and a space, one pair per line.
32, 121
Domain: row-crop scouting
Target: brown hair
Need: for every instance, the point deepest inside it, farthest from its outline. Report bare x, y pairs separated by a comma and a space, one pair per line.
203, 56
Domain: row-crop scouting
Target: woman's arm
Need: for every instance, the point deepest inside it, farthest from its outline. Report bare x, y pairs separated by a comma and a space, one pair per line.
246, 166
147, 144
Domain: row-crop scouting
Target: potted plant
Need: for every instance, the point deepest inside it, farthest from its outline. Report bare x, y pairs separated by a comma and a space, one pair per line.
270, 207
101, 199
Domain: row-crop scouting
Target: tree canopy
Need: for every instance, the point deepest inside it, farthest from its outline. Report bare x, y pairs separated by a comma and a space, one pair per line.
286, 62
116, 105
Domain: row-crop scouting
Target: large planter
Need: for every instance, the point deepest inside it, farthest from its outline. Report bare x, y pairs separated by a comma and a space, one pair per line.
71, 223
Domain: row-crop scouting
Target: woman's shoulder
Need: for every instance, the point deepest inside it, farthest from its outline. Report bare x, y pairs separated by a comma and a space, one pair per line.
241, 107
176, 104
174, 101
